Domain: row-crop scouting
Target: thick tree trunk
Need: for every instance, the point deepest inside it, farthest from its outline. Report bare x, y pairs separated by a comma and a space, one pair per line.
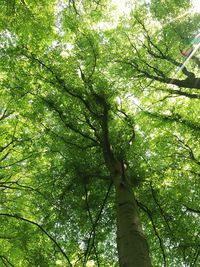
131, 243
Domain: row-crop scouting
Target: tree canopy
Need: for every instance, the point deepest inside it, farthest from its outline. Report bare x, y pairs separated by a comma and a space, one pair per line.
98, 102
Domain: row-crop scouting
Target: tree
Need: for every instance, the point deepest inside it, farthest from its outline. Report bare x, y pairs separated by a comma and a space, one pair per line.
100, 135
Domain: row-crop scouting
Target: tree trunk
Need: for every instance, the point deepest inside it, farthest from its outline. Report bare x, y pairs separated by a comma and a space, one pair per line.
131, 242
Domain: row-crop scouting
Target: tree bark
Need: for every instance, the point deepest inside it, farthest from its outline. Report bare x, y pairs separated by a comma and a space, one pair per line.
131, 242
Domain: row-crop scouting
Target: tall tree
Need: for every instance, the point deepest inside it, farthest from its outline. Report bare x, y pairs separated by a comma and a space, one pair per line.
99, 120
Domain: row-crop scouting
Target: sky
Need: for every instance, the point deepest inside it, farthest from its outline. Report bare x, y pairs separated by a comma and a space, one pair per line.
196, 4
123, 6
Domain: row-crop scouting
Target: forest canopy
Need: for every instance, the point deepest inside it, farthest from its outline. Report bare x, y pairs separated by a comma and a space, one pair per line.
100, 127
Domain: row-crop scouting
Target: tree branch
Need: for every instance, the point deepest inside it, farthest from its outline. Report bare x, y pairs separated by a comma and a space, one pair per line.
149, 213
42, 229
98, 218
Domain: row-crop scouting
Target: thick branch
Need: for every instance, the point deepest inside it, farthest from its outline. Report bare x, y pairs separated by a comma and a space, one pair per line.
63, 118
192, 209
179, 92
109, 157
174, 118
159, 54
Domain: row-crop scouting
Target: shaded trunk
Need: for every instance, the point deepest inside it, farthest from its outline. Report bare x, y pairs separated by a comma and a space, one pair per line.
131, 242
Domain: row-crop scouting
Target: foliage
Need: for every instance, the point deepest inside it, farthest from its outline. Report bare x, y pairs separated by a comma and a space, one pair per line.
62, 64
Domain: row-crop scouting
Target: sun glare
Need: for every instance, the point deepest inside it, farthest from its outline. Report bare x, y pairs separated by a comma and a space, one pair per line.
123, 6
196, 5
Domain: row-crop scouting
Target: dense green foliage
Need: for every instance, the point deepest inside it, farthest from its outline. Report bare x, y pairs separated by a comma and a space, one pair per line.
59, 62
